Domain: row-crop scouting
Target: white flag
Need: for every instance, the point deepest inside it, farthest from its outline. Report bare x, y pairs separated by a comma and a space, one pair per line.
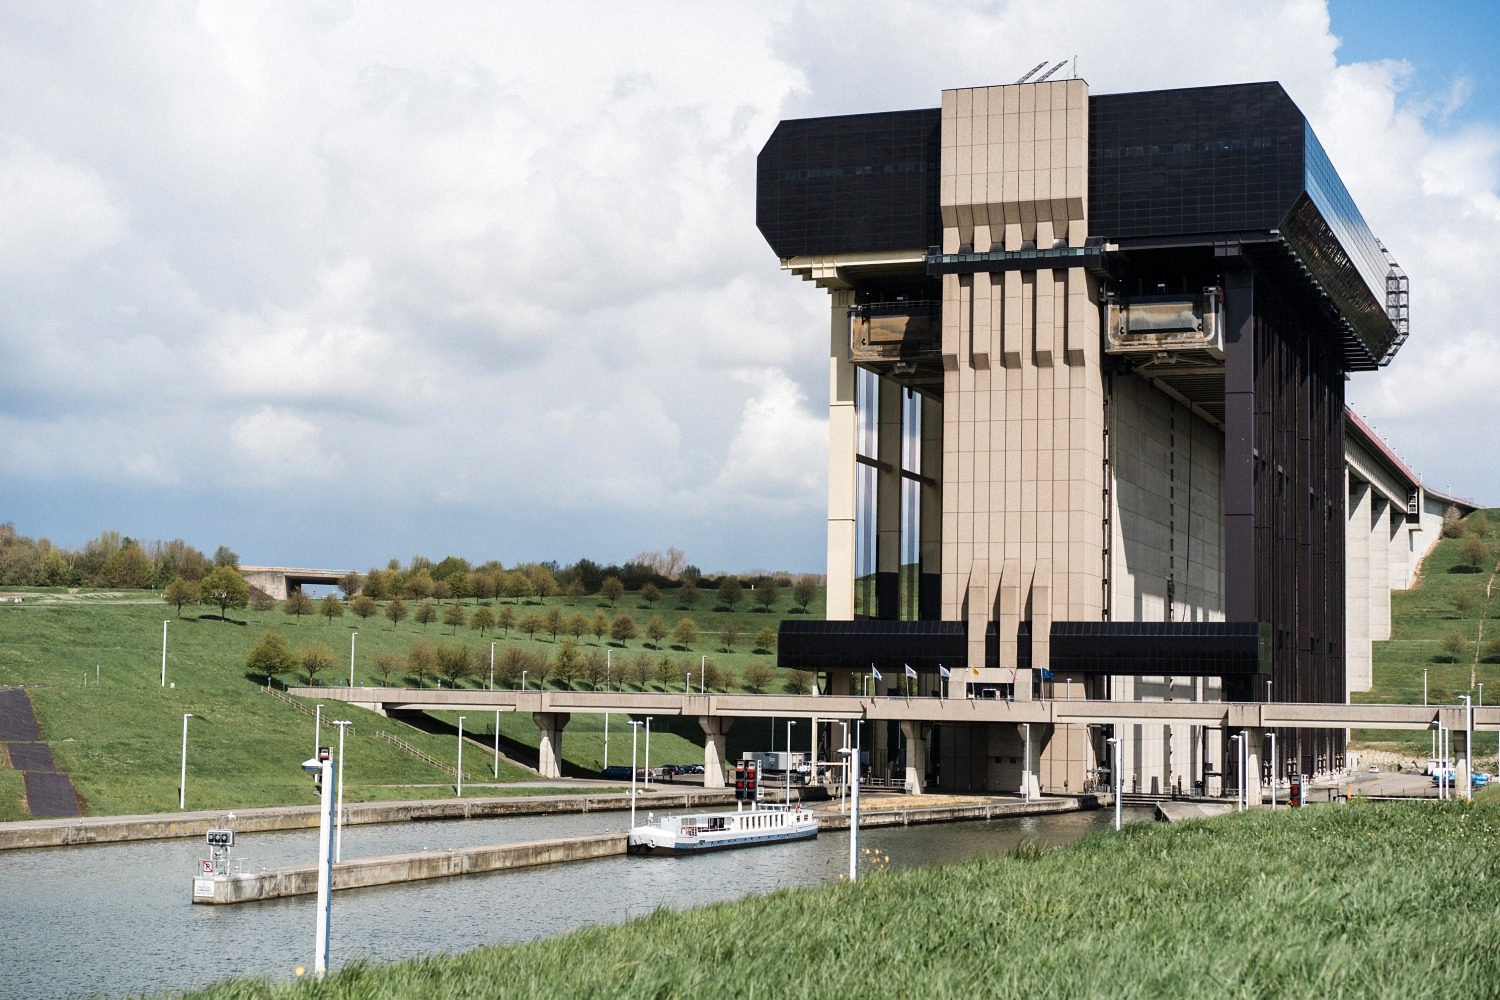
875, 673
909, 671
944, 672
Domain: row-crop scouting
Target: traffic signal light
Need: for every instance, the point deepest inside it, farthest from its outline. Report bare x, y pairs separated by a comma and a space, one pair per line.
752, 781
739, 783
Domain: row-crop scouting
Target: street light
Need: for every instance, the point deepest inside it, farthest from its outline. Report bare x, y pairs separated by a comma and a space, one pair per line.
1114, 742
1468, 746
317, 728
1026, 768
492, 670
497, 744
635, 731
1424, 685
609, 661
352, 637
320, 765
182, 782
338, 842
687, 683
789, 725
460, 771
1275, 768
1239, 792
648, 750
523, 680
702, 672
853, 801
164, 651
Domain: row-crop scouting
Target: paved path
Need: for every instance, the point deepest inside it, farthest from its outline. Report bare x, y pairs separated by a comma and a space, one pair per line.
49, 792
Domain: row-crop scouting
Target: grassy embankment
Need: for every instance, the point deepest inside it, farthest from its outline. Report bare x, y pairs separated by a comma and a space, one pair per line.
1420, 618
121, 740
1362, 900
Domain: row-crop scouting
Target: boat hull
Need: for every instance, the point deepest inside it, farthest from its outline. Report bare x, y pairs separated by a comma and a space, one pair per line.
700, 845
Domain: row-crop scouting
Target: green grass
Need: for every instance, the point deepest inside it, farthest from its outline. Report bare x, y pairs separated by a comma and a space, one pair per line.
121, 740
1420, 617
1363, 900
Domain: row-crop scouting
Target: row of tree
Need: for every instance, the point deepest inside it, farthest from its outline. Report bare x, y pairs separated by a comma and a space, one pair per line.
110, 560
570, 664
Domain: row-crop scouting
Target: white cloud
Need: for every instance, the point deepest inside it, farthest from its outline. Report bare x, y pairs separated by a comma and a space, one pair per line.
55, 213
272, 447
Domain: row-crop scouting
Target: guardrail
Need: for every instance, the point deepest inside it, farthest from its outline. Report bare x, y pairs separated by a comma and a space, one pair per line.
424, 757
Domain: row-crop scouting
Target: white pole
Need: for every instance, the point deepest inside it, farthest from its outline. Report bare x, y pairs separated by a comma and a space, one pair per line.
609, 660
1026, 769
1424, 685
1468, 792
687, 683
844, 785
635, 730
854, 807
338, 840
497, 744
164, 651
788, 800
317, 729
182, 782
492, 668
460, 770
1244, 767
1275, 770
702, 672
648, 751
606, 739
523, 680
1114, 742
352, 637
325, 872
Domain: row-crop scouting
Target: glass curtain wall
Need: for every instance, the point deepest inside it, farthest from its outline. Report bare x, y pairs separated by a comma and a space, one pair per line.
866, 442
911, 505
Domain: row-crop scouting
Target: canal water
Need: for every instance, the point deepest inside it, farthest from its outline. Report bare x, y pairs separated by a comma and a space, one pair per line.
116, 919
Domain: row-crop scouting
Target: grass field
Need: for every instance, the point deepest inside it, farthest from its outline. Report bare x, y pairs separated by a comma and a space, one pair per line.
1420, 617
120, 738
1361, 900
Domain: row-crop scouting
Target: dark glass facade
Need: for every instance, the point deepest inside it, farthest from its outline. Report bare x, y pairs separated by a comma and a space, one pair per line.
1179, 649
887, 645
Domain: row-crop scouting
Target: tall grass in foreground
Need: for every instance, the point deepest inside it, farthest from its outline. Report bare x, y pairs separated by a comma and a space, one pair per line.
1362, 900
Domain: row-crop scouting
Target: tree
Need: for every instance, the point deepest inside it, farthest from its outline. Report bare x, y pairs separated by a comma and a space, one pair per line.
180, 592
553, 620
1454, 644
517, 586
730, 592
331, 607
506, 619
803, 592
765, 639
1492, 651
574, 589
798, 682
455, 616
385, 664
667, 673
758, 676
297, 604
1478, 524
508, 666
651, 594
350, 583
531, 624
421, 661
599, 627
592, 668
577, 625
1452, 522
686, 633
1473, 553
419, 583
426, 614
622, 629
714, 677
566, 663
729, 635
270, 657
1463, 602
768, 593
261, 602
396, 611
442, 591
224, 556
611, 589
656, 630
637, 670
689, 595
483, 619
363, 606
315, 659
225, 587
454, 663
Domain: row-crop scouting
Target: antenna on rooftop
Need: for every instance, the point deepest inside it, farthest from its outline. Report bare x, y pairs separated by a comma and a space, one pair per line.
1054, 69
1032, 70
1075, 67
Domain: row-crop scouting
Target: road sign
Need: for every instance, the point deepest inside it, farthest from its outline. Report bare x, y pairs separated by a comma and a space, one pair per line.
208, 866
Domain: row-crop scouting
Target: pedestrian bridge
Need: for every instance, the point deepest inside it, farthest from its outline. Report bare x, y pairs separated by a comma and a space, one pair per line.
716, 713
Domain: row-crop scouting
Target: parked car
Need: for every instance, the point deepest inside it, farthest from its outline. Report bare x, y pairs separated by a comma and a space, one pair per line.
616, 772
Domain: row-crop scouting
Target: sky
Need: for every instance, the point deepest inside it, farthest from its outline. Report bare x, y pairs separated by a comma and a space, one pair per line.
333, 282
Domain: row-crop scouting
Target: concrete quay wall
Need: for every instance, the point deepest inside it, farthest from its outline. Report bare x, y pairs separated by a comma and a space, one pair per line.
162, 826
869, 818
272, 883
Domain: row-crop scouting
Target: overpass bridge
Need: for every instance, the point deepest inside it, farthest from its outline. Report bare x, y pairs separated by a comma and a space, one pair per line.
278, 581
551, 711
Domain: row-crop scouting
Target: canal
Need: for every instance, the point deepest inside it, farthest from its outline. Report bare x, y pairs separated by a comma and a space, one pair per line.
116, 920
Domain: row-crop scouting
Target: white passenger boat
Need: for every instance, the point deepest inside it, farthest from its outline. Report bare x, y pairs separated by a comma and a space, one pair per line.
718, 831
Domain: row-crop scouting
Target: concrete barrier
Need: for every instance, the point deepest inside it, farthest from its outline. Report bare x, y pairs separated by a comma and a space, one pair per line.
298, 880
871, 818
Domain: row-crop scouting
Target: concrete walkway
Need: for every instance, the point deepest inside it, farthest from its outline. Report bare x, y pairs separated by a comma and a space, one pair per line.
49, 792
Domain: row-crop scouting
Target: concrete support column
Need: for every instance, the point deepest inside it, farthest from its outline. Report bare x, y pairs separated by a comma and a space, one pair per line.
917, 734
1380, 568
842, 438
1357, 585
715, 746
1031, 759
1255, 752
549, 750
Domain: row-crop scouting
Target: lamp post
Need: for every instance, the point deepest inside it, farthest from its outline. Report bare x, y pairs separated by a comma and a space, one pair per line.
182, 782
492, 670
523, 680
788, 800
1239, 791
1275, 769
648, 750
497, 745
338, 841
1114, 743
1424, 685
164, 651
853, 763
460, 771
687, 683
635, 731
1026, 765
320, 765
352, 637
317, 728
606, 739
844, 752
702, 672
609, 661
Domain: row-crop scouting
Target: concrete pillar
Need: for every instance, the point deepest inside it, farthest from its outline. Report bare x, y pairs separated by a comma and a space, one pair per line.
1357, 586
715, 746
1031, 759
549, 750
842, 437
1255, 740
1380, 568
917, 734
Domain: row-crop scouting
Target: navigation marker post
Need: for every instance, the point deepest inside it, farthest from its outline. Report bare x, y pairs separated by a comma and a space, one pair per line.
322, 766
